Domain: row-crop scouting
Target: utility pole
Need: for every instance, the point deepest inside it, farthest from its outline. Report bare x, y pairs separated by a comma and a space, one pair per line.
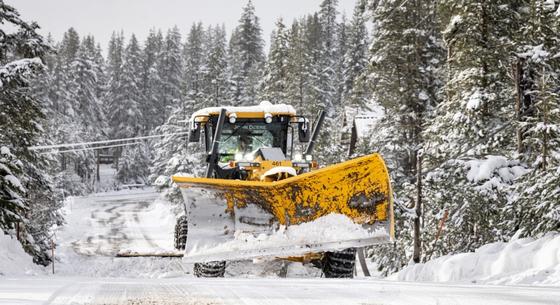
52, 254
417, 242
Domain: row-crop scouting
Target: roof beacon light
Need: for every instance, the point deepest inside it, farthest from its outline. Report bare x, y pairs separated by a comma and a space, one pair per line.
232, 118
268, 118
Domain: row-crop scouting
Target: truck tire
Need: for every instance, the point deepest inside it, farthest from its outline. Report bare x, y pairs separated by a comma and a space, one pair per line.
181, 230
212, 269
339, 264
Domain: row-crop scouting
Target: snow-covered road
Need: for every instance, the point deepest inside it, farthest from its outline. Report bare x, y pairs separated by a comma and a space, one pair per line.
103, 225
191, 291
98, 226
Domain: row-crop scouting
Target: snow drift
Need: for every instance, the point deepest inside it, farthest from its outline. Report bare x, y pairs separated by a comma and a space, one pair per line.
520, 261
13, 260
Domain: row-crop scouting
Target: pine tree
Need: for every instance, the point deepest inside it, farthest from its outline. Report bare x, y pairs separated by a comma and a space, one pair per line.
85, 89
216, 78
195, 67
296, 65
68, 51
276, 79
307, 65
465, 131
174, 156
70, 46
246, 57
534, 207
327, 64
151, 85
343, 41
23, 178
406, 56
355, 60
114, 72
234, 69
126, 119
134, 167
170, 69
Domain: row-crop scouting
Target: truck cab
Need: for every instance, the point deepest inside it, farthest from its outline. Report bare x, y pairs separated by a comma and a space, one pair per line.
251, 141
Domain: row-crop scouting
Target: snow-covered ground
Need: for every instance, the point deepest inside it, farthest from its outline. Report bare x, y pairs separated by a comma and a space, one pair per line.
99, 226
519, 262
192, 291
13, 260
102, 225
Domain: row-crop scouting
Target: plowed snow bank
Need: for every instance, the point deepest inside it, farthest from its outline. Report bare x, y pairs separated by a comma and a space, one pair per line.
520, 261
13, 260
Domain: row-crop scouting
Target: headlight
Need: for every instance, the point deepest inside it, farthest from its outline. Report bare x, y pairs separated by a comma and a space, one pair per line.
308, 158
298, 157
249, 157
238, 157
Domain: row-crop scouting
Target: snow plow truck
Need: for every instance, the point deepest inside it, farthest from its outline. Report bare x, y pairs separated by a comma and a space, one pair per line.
264, 196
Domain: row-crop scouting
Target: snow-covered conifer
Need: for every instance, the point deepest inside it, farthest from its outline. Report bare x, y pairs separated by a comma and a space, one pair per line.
246, 57
276, 79
216, 78
170, 70
23, 177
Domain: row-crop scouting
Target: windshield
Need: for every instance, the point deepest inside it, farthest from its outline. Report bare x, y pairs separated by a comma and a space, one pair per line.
248, 137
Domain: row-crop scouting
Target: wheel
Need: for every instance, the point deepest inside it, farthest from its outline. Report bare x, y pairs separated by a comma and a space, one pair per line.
212, 269
339, 264
181, 230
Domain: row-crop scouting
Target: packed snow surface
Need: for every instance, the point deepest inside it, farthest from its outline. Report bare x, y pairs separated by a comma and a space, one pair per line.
265, 107
100, 226
520, 262
277, 291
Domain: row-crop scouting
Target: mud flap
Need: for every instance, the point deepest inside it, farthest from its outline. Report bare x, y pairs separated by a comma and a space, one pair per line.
337, 207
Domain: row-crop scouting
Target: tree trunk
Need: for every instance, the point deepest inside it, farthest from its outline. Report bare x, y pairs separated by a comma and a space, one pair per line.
417, 242
517, 78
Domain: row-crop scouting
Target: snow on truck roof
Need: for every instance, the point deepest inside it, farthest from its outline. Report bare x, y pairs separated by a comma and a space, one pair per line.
256, 111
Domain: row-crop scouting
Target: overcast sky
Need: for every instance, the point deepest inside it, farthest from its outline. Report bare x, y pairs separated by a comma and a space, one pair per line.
102, 17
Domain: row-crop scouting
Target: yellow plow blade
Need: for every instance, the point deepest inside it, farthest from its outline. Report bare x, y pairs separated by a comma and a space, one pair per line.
340, 206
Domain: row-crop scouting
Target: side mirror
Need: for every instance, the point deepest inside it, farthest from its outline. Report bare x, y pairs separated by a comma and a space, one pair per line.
194, 133
304, 132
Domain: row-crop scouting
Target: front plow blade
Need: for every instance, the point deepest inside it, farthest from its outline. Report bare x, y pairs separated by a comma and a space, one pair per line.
336, 207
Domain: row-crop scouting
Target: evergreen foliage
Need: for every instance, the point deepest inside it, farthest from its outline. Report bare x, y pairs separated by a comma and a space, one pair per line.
355, 59
170, 70
125, 115
246, 58
534, 207
276, 79
216, 78
27, 199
